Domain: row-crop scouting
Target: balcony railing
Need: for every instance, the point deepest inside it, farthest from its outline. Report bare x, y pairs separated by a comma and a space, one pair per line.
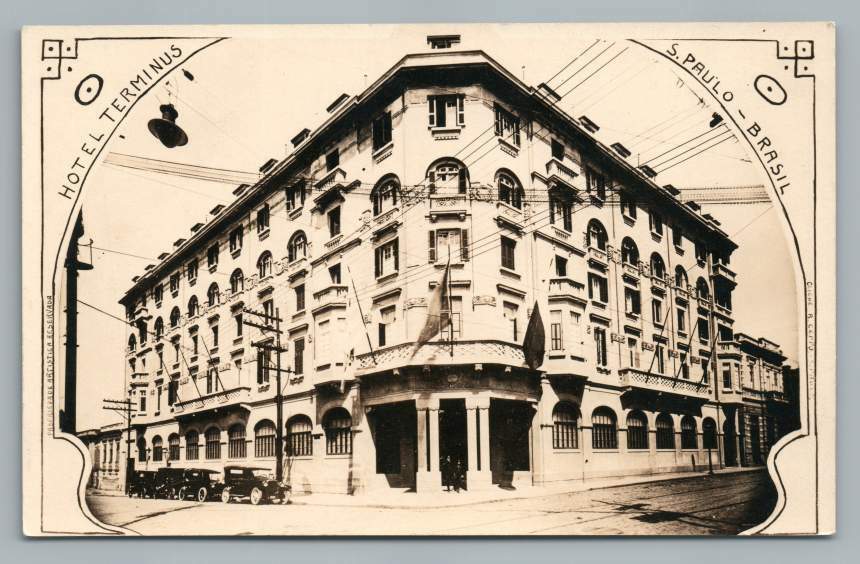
724, 272
220, 399
331, 179
598, 255
560, 173
643, 380
439, 353
728, 348
566, 287
332, 295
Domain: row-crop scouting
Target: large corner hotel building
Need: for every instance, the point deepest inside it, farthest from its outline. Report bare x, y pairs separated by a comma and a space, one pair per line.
449, 157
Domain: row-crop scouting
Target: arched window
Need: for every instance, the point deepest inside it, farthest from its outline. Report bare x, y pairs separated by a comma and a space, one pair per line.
192, 445
702, 289
665, 431
157, 449
689, 433
604, 429
709, 433
236, 445
132, 343
564, 426
213, 443
159, 328
338, 431
596, 235
141, 449
300, 442
173, 447
213, 295
385, 194
637, 431
264, 265
448, 175
658, 267
237, 281
681, 280
174, 317
297, 248
629, 252
510, 191
264, 439
193, 306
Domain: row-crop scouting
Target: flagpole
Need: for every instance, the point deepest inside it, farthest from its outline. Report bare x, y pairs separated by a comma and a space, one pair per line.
361, 313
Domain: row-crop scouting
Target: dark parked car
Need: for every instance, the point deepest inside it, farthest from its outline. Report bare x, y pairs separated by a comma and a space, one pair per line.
257, 484
167, 482
198, 484
141, 483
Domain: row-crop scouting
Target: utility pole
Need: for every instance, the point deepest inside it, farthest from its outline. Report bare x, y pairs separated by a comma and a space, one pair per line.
124, 408
265, 327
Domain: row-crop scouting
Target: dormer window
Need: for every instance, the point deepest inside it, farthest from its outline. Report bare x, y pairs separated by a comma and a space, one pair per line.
507, 126
447, 111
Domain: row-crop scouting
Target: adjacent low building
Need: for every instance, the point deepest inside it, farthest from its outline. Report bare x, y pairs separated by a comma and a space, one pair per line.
448, 163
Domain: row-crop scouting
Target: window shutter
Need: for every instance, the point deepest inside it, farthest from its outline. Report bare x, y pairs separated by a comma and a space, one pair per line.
461, 114
386, 128
464, 244
378, 262
431, 181
431, 246
461, 180
431, 102
376, 198
396, 252
394, 194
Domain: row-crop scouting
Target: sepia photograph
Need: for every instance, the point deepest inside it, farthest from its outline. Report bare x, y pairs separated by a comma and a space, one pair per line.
440, 280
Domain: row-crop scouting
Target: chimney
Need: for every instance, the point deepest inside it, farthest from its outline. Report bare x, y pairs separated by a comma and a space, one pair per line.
337, 102
217, 209
241, 188
301, 136
268, 165
442, 41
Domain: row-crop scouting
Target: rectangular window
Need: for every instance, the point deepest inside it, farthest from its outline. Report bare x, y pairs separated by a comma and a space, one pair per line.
560, 266
323, 342
628, 206
632, 302
682, 320
239, 325
236, 240
382, 131
446, 111
511, 314
453, 243
600, 346
300, 297
508, 258
263, 219
386, 319
655, 221
172, 389
212, 256
143, 401
660, 358
334, 222
269, 312
194, 344
685, 366
452, 319
191, 271
295, 196
334, 273
701, 254
212, 380
657, 312
174, 283
677, 236
264, 365
557, 149
727, 377
595, 183
386, 259
158, 294
507, 126
633, 352
332, 160
705, 375
704, 330
597, 288
214, 335
299, 356
556, 334
561, 211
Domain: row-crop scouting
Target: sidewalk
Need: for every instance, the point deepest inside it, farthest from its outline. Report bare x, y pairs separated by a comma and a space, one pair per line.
391, 499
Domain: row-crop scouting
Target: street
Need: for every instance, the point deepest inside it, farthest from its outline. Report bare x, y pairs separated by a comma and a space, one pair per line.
723, 504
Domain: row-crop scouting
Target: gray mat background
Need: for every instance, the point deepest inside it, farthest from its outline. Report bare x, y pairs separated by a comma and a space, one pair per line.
16, 548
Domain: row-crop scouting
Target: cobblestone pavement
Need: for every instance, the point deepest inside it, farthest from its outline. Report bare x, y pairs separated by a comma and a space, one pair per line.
724, 504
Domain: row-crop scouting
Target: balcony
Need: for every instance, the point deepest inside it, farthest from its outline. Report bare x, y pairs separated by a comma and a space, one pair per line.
728, 349
723, 273
598, 256
332, 296
439, 353
731, 396
567, 288
226, 398
558, 173
634, 378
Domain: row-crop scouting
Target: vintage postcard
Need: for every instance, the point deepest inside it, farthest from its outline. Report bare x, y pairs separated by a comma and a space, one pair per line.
485, 279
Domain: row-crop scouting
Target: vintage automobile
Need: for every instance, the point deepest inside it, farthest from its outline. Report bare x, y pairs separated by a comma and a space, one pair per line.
198, 484
257, 484
141, 483
167, 482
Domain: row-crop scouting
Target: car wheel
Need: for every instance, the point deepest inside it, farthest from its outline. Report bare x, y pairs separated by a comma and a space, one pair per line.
256, 496
183, 493
172, 494
225, 496
202, 494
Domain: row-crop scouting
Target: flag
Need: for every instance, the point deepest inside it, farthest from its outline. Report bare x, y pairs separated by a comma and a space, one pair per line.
434, 311
534, 343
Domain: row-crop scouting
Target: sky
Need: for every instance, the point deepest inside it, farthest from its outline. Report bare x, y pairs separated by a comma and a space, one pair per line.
250, 96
